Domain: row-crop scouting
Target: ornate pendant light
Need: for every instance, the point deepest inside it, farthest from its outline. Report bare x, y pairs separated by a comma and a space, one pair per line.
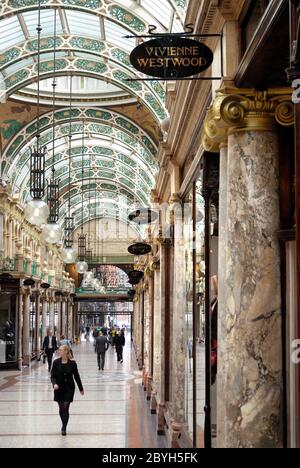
37, 211
82, 266
52, 232
69, 254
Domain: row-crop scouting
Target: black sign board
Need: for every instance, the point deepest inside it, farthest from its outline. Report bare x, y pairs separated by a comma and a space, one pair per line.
171, 57
139, 249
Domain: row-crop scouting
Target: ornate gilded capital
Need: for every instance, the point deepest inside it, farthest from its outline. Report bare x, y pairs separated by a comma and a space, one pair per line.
155, 265
236, 110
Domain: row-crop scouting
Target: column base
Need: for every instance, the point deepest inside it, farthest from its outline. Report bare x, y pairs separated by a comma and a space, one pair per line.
140, 363
175, 433
144, 379
26, 361
153, 402
149, 387
160, 420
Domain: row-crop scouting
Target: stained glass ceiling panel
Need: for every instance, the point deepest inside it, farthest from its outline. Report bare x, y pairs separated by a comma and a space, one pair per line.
162, 7
83, 24
10, 33
115, 34
47, 22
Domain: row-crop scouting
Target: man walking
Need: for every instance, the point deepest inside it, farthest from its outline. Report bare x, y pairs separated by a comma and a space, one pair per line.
101, 348
49, 347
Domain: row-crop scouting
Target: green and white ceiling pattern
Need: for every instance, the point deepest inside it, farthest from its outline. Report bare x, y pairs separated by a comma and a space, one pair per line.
90, 44
90, 47
118, 154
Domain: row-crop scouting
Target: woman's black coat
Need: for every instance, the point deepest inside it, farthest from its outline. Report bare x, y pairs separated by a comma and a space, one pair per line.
63, 375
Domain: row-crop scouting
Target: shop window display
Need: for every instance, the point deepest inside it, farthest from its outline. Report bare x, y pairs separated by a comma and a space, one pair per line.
8, 341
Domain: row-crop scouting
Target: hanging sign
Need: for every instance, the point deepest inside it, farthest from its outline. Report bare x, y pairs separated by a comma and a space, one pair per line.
171, 57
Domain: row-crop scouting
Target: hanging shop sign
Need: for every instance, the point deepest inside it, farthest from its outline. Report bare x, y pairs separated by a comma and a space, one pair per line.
136, 275
139, 249
45, 285
133, 282
171, 57
143, 216
29, 282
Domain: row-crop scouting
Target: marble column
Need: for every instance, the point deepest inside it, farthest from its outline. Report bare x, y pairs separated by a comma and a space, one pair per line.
63, 318
37, 322
70, 320
146, 337
26, 330
250, 363
44, 318
52, 315
179, 326
222, 265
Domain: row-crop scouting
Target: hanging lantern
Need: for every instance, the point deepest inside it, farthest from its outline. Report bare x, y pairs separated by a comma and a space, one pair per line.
139, 248
36, 212
143, 216
69, 255
52, 233
82, 267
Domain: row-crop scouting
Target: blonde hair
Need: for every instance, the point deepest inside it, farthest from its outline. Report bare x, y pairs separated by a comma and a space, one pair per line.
68, 349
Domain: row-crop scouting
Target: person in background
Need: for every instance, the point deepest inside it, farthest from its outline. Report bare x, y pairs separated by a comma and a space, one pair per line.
119, 344
65, 342
87, 335
64, 371
102, 345
49, 347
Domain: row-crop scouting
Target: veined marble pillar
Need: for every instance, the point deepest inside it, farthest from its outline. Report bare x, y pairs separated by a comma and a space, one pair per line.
179, 326
223, 228
52, 315
44, 318
63, 318
70, 320
26, 330
250, 369
146, 334
249, 339
37, 322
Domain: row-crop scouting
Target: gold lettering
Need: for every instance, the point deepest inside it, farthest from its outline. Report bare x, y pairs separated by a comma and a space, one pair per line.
143, 62
150, 51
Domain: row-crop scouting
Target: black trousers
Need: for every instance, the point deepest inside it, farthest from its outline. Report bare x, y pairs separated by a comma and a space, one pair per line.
49, 354
119, 350
101, 360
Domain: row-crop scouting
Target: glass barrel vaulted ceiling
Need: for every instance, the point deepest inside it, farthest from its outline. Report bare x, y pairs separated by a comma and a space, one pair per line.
91, 47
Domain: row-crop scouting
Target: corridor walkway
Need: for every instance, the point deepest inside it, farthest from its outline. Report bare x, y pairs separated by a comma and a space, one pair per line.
112, 413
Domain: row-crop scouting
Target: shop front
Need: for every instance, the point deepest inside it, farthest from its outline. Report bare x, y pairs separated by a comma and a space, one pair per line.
9, 297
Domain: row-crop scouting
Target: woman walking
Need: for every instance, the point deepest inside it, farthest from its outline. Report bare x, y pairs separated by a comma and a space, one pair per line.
63, 373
